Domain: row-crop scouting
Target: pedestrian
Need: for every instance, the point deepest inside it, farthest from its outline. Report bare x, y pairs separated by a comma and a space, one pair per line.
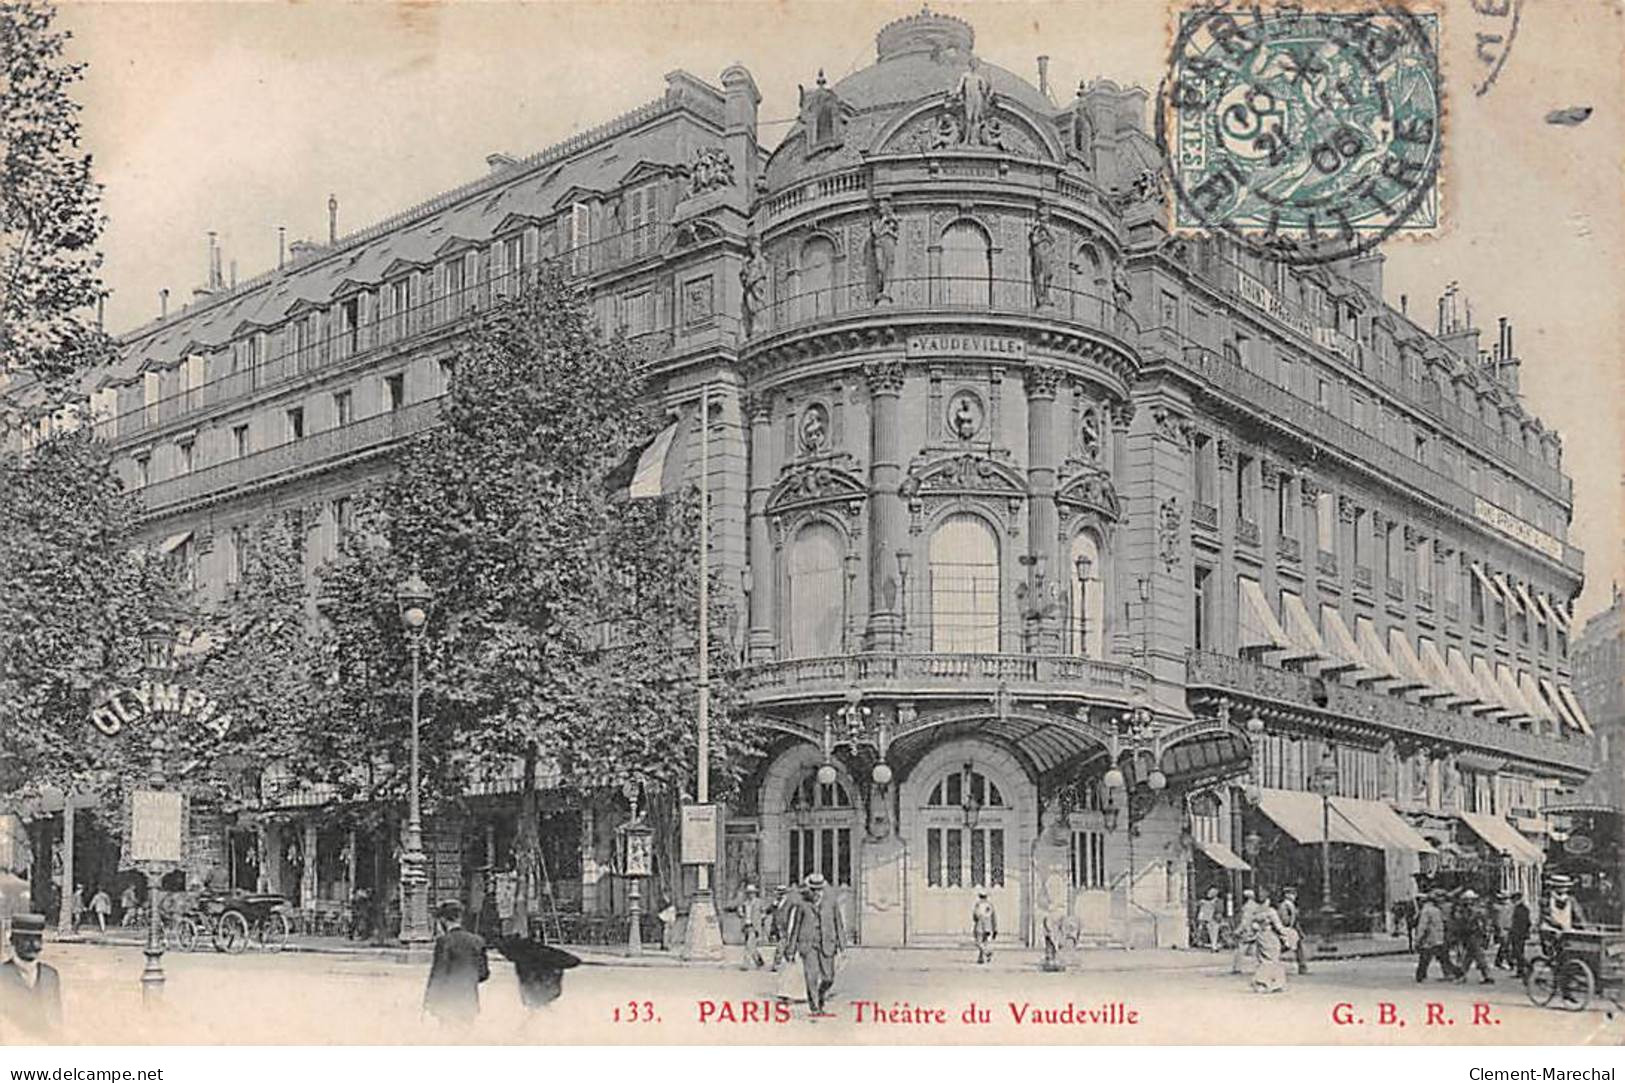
779, 923
1518, 936
101, 904
984, 924
1246, 935
751, 920
1289, 914
539, 967
1562, 913
668, 919
77, 905
1455, 932
30, 990
1474, 935
818, 935
1503, 930
1430, 939
1270, 935
1207, 918
128, 905
361, 914
453, 992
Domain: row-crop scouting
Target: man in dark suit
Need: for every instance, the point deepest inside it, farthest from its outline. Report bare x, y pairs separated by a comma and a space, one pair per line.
818, 935
453, 995
30, 991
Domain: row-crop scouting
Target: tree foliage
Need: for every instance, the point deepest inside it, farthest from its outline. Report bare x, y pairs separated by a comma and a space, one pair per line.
50, 216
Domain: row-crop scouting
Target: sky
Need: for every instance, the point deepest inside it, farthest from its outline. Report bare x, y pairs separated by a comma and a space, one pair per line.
240, 117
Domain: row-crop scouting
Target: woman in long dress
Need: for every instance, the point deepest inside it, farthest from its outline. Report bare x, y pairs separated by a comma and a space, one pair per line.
1270, 977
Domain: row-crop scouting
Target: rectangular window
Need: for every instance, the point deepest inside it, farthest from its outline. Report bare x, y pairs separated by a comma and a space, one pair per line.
1323, 395
638, 312
1362, 544
1475, 600
143, 471
239, 440
824, 850
1326, 522
1203, 461
1283, 370
1170, 311
1356, 411
1392, 554
343, 408
1424, 565
954, 858
1199, 615
1245, 465
642, 209
1286, 524
513, 257
184, 449
1420, 448
1088, 860
296, 423
396, 387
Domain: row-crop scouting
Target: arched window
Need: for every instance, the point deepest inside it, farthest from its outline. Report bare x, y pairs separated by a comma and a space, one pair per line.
817, 287
951, 790
816, 594
1087, 634
967, 265
820, 833
1092, 268
964, 560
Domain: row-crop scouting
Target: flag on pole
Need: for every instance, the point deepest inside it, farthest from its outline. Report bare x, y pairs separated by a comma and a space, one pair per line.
651, 469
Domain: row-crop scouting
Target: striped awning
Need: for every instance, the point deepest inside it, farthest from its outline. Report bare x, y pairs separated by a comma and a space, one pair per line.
1222, 856
1342, 643
1574, 707
1259, 628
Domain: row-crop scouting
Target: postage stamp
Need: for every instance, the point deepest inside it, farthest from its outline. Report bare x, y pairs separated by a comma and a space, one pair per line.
1291, 126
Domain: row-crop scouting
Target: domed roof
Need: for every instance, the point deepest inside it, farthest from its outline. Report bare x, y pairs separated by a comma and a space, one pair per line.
923, 55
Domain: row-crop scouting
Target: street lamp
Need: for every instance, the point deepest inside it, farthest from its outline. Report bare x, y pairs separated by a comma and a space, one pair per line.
1085, 568
412, 597
905, 561
1324, 782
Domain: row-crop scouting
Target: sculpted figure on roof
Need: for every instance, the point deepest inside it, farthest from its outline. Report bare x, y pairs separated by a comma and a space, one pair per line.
973, 95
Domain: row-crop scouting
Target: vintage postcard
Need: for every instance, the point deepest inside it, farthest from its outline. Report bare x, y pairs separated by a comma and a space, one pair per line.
804, 523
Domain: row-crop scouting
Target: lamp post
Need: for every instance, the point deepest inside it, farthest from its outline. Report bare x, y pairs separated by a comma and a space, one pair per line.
1114, 799
1324, 782
412, 596
1085, 567
905, 562
158, 653
635, 847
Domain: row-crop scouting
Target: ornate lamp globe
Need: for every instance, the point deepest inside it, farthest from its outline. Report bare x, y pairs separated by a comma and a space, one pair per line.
826, 775
1112, 779
881, 774
1157, 780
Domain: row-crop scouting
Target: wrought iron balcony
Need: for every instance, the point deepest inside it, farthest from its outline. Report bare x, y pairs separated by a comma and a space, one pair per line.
1326, 562
1246, 531
1205, 516
1318, 696
1024, 675
1289, 548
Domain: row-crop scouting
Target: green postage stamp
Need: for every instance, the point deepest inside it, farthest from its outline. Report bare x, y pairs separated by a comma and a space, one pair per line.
1285, 126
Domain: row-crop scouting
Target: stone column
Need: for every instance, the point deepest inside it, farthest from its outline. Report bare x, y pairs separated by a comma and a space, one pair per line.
763, 641
309, 878
887, 525
1313, 543
1048, 576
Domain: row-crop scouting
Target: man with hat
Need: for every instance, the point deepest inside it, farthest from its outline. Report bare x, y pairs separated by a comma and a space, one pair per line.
1473, 937
30, 990
1562, 913
1430, 938
818, 935
984, 924
784, 908
539, 967
1208, 917
1288, 911
1246, 932
751, 920
1518, 934
453, 993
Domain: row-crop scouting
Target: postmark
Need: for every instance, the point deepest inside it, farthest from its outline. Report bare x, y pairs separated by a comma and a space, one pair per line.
1310, 135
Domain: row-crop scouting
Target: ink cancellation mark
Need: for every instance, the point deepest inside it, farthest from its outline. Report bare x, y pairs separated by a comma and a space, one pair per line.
1311, 136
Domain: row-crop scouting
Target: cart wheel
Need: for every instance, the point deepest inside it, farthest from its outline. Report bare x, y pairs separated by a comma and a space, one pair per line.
276, 930
186, 935
231, 933
1577, 984
1539, 983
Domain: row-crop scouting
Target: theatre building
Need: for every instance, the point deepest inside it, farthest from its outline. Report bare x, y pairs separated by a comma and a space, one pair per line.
1077, 562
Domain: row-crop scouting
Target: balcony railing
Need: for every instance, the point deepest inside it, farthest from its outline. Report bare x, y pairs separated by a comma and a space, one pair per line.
312, 451
1314, 694
979, 295
1396, 589
1362, 577
1326, 563
1205, 515
1424, 598
1030, 673
1246, 531
1289, 548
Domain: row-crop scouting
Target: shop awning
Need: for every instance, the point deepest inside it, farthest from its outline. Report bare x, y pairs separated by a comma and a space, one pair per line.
1552, 614
1563, 616
1468, 684
1484, 581
1342, 643
1377, 658
1381, 824
1492, 687
1300, 815
1574, 707
1222, 856
1511, 695
174, 542
1410, 666
1526, 685
1259, 628
1529, 605
1440, 674
1503, 837
1301, 630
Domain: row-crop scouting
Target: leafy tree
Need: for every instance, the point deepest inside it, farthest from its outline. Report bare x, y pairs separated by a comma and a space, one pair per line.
564, 622
50, 218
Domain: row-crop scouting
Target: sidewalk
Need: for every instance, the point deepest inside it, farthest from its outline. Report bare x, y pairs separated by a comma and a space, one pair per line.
1095, 960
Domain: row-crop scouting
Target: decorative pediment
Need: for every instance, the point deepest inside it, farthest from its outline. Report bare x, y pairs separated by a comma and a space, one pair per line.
513, 222
576, 193
695, 231
1003, 126
302, 306
646, 170
963, 474
403, 266
247, 326
453, 245
1091, 491
809, 483
350, 286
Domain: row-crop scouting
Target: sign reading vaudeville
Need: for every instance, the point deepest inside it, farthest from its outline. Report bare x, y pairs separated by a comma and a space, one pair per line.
128, 705
157, 827
958, 345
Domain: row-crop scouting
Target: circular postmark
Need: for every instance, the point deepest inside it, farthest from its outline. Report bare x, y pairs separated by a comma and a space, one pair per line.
1308, 136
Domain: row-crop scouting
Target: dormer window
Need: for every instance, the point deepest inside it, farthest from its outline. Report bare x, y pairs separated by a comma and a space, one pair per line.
642, 215
824, 126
